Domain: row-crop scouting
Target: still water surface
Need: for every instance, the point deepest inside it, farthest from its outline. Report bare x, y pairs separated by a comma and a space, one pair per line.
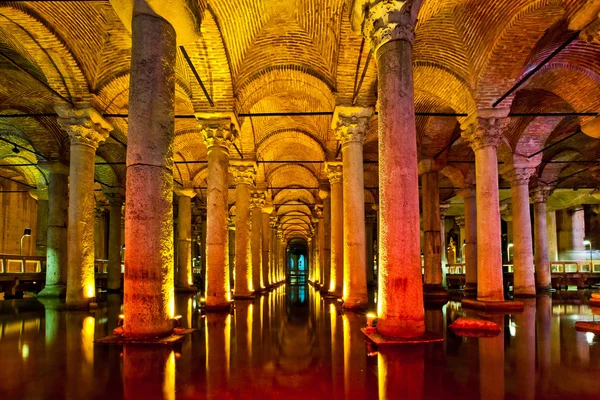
292, 344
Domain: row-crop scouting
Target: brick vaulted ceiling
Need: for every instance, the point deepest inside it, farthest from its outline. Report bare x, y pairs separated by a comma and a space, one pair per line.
265, 56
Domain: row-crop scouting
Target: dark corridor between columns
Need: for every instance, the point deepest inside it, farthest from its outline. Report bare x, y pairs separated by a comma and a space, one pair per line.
297, 263
292, 344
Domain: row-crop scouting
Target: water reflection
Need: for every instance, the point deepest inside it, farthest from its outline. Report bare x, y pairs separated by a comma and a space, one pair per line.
292, 343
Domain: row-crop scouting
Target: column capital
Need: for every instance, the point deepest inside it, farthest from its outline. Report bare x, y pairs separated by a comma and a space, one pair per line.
54, 167
334, 171
460, 221
430, 165
382, 21
273, 221
115, 196
319, 211
84, 124
40, 193
323, 192
486, 129
350, 123
185, 192
268, 207
518, 176
257, 200
540, 194
467, 192
506, 211
243, 172
218, 130
444, 210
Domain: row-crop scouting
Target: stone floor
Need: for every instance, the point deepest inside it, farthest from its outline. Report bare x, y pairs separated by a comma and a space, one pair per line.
292, 344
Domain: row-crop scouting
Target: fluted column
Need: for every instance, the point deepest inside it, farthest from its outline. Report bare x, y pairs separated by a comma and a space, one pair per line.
350, 125
389, 28
483, 137
524, 281
326, 220
184, 281
470, 250
266, 243
86, 129
336, 275
431, 227
257, 202
543, 274
243, 177
218, 135
116, 199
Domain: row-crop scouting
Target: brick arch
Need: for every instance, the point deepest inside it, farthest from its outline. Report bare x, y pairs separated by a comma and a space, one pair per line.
548, 172
290, 145
51, 54
286, 174
105, 173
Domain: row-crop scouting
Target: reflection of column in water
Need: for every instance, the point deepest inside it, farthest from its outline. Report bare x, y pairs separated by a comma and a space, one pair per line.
217, 352
434, 319
148, 372
52, 319
400, 370
183, 307
114, 302
525, 350
80, 355
491, 364
544, 339
337, 352
355, 357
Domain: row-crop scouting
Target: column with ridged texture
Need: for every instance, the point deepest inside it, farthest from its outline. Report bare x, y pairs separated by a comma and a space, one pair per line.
257, 202
336, 275
183, 280
243, 175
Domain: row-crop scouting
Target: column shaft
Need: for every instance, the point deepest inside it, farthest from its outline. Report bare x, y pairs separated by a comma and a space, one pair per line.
114, 246
243, 261
184, 242
257, 284
524, 284
41, 238
336, 279
266, 248
432, 236
578, 228
326, 268
470, 241
543, 275
552, 239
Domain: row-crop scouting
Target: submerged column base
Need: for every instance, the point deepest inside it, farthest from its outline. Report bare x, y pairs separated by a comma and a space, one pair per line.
53, 291
493, 306
435, 292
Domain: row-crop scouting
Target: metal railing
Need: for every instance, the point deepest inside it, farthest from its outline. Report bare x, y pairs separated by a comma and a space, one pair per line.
16, 264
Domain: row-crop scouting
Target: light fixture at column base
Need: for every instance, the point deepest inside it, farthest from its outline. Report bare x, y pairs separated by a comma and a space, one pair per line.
501, 307
474, 327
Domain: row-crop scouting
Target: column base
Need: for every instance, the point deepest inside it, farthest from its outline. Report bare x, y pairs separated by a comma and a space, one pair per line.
493, 306
218, 307
380, 340
186, 289
587, 326
470, 289
544, 289
53, 291
244, 296
434, 292
356, 303
177, 336
475, 327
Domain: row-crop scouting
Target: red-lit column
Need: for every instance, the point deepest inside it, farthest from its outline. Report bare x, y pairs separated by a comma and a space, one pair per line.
543, 274
524, 284
470, 250
244, 177
389, 26
336, 277
218, 135
86, 129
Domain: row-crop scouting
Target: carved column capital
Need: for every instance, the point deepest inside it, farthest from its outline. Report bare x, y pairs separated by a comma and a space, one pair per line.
444, 210
460, 221
467, 192
350, 123
334, 172
243, 173
388, 20
257, 200
218, 132
518, 176
540, 194
485, 132
85, 125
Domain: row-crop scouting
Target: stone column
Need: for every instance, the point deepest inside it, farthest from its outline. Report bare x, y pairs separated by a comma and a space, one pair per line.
460, 221
543, 275
326, 221
443, 211
350, 125
100, 231
389, 27
86, 129
243, 175
184, 280
58, 205
282, 260
370, 254
257, 202
431, 228
524, 280
507, 215
266, 244
318, 251
483, 137
218, 135
273, 254
114, 240
41, 236
470, 256
578, 228
552, 239
336, 276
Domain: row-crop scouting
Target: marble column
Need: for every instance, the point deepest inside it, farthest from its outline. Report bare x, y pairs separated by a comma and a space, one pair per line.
218, 135
443, 211
336, 275
282, 252
318, 258
552, 235
183, 279
543, 274
431, 228
470, 250
273, 254
578, 228
41, 236
326, 221
257, 202
266, 244
524, 279
243, 175
460, 221
483, 136
370, 223
86, 129
116, 199
350, 126
389, 27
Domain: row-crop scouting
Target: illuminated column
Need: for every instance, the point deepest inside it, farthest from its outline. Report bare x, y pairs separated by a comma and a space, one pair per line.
524, 280
86, 129
282, 260
470, 250
41, 234
484, 136
56, 252
266, 244
389, 27
431, 227
370, 242
257, 202
114, 240
243, 176
578, 227
184, 281
218, 135
443, 211
326, 221
336, 276
320, 256
350, 125
552, 239
273, 254
543, 275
